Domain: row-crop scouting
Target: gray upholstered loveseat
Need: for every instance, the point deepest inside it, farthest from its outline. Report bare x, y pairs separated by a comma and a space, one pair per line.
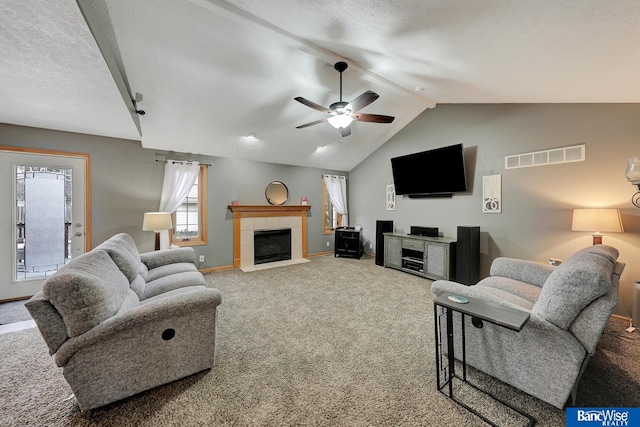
153, 273
569, 307
116, 334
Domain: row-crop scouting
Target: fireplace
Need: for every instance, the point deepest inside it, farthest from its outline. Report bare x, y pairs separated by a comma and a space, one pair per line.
271, 245
250, 218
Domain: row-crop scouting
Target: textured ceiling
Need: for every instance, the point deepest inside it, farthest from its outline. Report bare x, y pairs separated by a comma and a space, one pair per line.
212, 72
52, 74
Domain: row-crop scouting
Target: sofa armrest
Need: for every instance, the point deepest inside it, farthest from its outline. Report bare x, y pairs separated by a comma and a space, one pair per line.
441, 287
168, 256
186, 307
49, 321
531, 272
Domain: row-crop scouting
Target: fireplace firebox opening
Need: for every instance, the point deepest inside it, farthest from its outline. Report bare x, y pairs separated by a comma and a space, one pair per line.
271, 245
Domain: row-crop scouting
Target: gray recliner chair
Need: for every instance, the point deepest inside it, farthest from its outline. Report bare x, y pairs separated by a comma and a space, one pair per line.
569, 307
109, 342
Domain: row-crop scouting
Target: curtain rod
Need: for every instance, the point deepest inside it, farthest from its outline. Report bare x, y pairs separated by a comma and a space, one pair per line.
182, 161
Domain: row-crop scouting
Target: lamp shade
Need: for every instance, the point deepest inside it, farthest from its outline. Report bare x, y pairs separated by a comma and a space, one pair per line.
597, 220
156, 221
633, 170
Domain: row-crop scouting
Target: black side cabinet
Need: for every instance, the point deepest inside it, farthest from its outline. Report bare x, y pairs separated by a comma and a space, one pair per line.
348, 242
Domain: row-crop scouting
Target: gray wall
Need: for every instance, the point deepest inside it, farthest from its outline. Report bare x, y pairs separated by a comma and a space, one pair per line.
124, 178
246, 181
538, 201
127, 181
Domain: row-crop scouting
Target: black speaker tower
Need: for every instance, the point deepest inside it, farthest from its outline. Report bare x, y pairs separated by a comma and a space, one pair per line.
468, 255
381, 227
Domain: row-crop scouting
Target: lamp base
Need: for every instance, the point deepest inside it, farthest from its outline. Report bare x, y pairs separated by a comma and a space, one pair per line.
158, 241
597, 239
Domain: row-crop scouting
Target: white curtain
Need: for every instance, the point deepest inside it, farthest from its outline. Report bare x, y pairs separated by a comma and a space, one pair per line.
337, 189
179, 177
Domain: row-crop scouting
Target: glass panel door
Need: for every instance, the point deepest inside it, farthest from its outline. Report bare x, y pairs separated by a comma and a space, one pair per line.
42, 218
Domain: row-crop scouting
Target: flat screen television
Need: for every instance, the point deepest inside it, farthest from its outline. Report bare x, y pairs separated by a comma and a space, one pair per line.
437, 172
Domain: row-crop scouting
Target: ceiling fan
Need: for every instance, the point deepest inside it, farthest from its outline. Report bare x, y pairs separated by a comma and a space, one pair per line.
343, 113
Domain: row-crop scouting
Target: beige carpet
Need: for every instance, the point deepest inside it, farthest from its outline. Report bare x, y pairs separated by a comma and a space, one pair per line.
333, 342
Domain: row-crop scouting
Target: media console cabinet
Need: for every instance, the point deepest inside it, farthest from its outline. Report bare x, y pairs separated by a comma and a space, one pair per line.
430, 257
348, 242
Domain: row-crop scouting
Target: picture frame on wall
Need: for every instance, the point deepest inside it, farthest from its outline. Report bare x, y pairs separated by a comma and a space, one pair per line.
492, 194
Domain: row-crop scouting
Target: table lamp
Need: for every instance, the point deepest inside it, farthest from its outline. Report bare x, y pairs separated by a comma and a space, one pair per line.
156, 222
597, 221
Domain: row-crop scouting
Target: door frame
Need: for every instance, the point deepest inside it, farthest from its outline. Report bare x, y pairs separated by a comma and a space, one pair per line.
86, 157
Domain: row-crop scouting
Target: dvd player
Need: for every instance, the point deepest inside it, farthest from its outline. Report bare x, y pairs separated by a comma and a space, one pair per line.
413, 264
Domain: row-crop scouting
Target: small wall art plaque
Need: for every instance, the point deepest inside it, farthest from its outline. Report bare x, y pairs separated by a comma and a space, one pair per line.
492, 194
391, 197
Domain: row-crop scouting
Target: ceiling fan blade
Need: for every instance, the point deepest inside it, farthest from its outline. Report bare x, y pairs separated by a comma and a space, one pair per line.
362, 101
312, 123
345, 131
312, 104
373, 118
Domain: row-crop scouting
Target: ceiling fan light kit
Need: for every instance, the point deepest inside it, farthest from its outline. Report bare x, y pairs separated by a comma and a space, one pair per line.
340, 121
343, 113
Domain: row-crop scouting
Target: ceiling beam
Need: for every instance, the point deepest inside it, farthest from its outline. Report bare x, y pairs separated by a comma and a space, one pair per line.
92, 18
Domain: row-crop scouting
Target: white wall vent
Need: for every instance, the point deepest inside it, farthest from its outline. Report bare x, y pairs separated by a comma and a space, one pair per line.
575, 153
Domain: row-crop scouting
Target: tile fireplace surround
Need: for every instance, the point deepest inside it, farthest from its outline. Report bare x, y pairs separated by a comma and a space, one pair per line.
249, 218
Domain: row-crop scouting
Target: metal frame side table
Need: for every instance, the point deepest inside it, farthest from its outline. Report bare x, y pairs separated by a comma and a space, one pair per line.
479, 311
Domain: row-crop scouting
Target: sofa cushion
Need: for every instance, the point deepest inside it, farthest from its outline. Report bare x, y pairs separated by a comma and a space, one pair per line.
173, 281
122, 249
137, 285
129, 302
144, 271
169, 269
523, 290
87, 291
583, 277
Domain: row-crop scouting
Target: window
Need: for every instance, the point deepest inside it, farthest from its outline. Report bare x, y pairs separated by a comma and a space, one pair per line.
330, 218
43, 220
190, 219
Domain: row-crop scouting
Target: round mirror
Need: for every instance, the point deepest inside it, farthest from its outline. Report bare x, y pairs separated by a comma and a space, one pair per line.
276, 193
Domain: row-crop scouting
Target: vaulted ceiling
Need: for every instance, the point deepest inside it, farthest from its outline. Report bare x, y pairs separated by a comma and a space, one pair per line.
211, 72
